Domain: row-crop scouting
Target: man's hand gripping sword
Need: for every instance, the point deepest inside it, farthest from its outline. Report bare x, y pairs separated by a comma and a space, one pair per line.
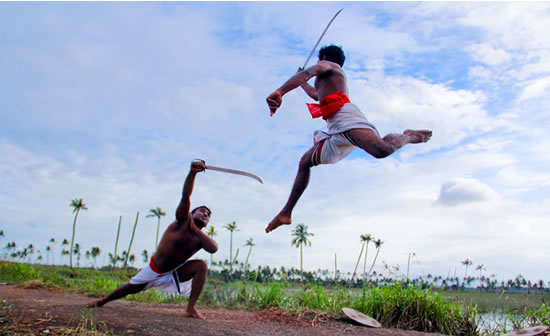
275, 100
231, 171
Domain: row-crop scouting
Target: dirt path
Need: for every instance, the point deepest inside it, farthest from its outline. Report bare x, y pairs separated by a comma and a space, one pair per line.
46, 312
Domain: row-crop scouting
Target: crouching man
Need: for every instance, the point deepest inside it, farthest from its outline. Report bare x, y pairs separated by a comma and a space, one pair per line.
170, 268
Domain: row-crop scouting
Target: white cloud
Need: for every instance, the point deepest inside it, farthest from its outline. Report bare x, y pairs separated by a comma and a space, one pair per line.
535, 88
396, 104
110, 102
464, 190
489, 55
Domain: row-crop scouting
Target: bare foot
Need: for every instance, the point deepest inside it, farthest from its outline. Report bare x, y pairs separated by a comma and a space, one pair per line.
418, 136
278, 221
96, 303
192, 312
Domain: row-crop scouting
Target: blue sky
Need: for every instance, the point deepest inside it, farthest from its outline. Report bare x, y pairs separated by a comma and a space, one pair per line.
110, 102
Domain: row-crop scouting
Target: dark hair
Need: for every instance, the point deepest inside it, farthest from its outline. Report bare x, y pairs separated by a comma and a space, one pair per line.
202, 207
332, 53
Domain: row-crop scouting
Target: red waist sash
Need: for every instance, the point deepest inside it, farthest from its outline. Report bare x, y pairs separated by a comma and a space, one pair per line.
328, 105
154, 266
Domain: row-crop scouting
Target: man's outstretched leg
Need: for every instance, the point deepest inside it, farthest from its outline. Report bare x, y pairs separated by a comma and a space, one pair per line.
118, 293
196, 270
300, 184
366, 139
378, 147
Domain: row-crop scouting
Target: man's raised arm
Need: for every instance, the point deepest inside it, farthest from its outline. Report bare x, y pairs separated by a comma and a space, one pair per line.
207, 243
275, 99
182, 212
308, 89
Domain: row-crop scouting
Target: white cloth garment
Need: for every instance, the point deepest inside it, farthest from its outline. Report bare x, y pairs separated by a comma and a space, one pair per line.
167, 282
334, 145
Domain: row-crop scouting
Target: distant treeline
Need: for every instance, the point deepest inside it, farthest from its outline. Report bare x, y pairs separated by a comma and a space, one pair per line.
227, 272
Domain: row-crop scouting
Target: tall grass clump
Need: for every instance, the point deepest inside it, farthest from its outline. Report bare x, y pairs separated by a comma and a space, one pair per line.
16, 272
235, 295
396, 306
412, 308
317, 298
513, 321
272, 295
87, 325
540, 316
245, 295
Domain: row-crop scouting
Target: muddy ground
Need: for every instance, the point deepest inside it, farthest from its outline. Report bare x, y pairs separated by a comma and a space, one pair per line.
39, 311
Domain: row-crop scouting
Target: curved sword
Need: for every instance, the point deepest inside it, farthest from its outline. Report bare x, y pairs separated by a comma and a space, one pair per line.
319, 40
230, 171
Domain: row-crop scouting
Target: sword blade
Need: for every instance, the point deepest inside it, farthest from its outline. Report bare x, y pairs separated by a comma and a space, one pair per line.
234, 171
320, 38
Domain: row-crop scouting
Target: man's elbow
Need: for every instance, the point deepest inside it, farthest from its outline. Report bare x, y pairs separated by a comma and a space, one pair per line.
213, 249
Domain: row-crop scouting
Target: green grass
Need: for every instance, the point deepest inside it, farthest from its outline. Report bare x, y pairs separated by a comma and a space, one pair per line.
396, 306
87, 325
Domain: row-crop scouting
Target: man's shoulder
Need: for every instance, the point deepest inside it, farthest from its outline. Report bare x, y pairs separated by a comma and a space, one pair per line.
327, 69
329, 64
178, 224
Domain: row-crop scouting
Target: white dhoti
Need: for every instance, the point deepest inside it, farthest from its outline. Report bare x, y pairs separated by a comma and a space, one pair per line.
336, 144
167, 282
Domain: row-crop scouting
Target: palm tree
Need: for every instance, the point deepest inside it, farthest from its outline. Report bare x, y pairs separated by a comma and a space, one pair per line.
113, 260
114, 256
2, 235
335, 268
156, 213
132, 259
52, 241
211, 232
77, 252
358, 260
300, 239
63, 253
145, 255
64, 243
249, 242
409, 263
366, 239
378, 243
128, 255
49, 251
30, 248
231, 227
466, 263
77, 204
10, 247
480, 268
25, 253
94, 252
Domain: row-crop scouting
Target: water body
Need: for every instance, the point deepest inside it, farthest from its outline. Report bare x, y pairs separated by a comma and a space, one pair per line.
499, 321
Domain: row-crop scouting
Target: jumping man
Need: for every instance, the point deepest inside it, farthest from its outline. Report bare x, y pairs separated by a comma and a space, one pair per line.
347, 126
170, 269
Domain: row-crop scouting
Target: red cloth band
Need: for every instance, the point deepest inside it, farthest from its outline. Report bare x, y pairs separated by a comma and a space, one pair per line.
154, 266
328, 105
